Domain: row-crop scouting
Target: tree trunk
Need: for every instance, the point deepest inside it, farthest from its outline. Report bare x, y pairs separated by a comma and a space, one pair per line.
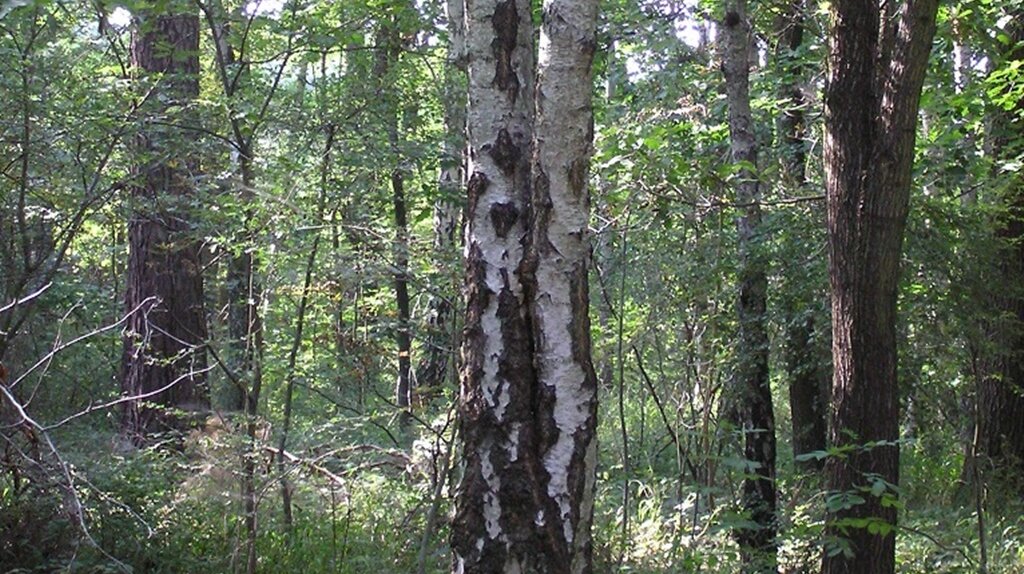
166, 329
757, 542
493, 530
566, 395
529, 393
808, 383
876, 70
999, 426
389, 48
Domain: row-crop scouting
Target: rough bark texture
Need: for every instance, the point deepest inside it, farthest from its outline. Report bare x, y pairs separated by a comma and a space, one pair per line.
808, 379
567, 384
167, 326
493, 530
528, 396
999, 426
752, 389
876, 70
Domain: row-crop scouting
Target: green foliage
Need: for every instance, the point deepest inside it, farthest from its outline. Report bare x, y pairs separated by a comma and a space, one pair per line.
663, 291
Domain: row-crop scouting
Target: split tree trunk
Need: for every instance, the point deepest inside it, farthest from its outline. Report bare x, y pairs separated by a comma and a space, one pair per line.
166, 329
757, 542
876, 71
493, 530
529, 394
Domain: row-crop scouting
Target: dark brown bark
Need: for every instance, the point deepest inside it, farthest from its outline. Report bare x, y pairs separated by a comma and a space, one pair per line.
998, 445
874, 87
752, 390
403, 337
166, 330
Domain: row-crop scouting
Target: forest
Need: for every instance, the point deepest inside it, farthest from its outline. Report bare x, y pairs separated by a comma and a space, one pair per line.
512, 286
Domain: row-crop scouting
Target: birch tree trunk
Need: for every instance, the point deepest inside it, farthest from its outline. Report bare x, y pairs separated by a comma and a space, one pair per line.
493, 530
166, 330
567, 384
757, 418
529, 394
876, 72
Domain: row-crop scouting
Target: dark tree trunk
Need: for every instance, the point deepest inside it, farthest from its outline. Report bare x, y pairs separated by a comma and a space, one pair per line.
166, 329
752, 390
877, 67
808, 388
403, 337
808, 379
389, 48
999, 426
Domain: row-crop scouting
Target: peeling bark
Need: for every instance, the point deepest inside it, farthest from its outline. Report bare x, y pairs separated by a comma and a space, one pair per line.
560, 256
529, 392
493, 529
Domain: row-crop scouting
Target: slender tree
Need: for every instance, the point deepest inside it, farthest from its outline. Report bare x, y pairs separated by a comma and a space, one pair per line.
389, 48
433, 371
877, 61
753, 392
166, 330
566, 395
808, 379
528, 389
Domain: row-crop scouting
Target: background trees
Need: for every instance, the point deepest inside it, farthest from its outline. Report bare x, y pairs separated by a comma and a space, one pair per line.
291, 141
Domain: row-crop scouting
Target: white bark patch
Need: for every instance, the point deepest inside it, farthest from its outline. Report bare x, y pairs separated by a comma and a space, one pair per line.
513, 443
492, 506
563, 147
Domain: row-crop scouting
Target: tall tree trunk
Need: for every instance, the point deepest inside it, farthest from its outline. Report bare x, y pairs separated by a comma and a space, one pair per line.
808, 384
529, 393
757, 542
389, 48
999, 426
876, 71
493, 530
559, 255
166, 330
